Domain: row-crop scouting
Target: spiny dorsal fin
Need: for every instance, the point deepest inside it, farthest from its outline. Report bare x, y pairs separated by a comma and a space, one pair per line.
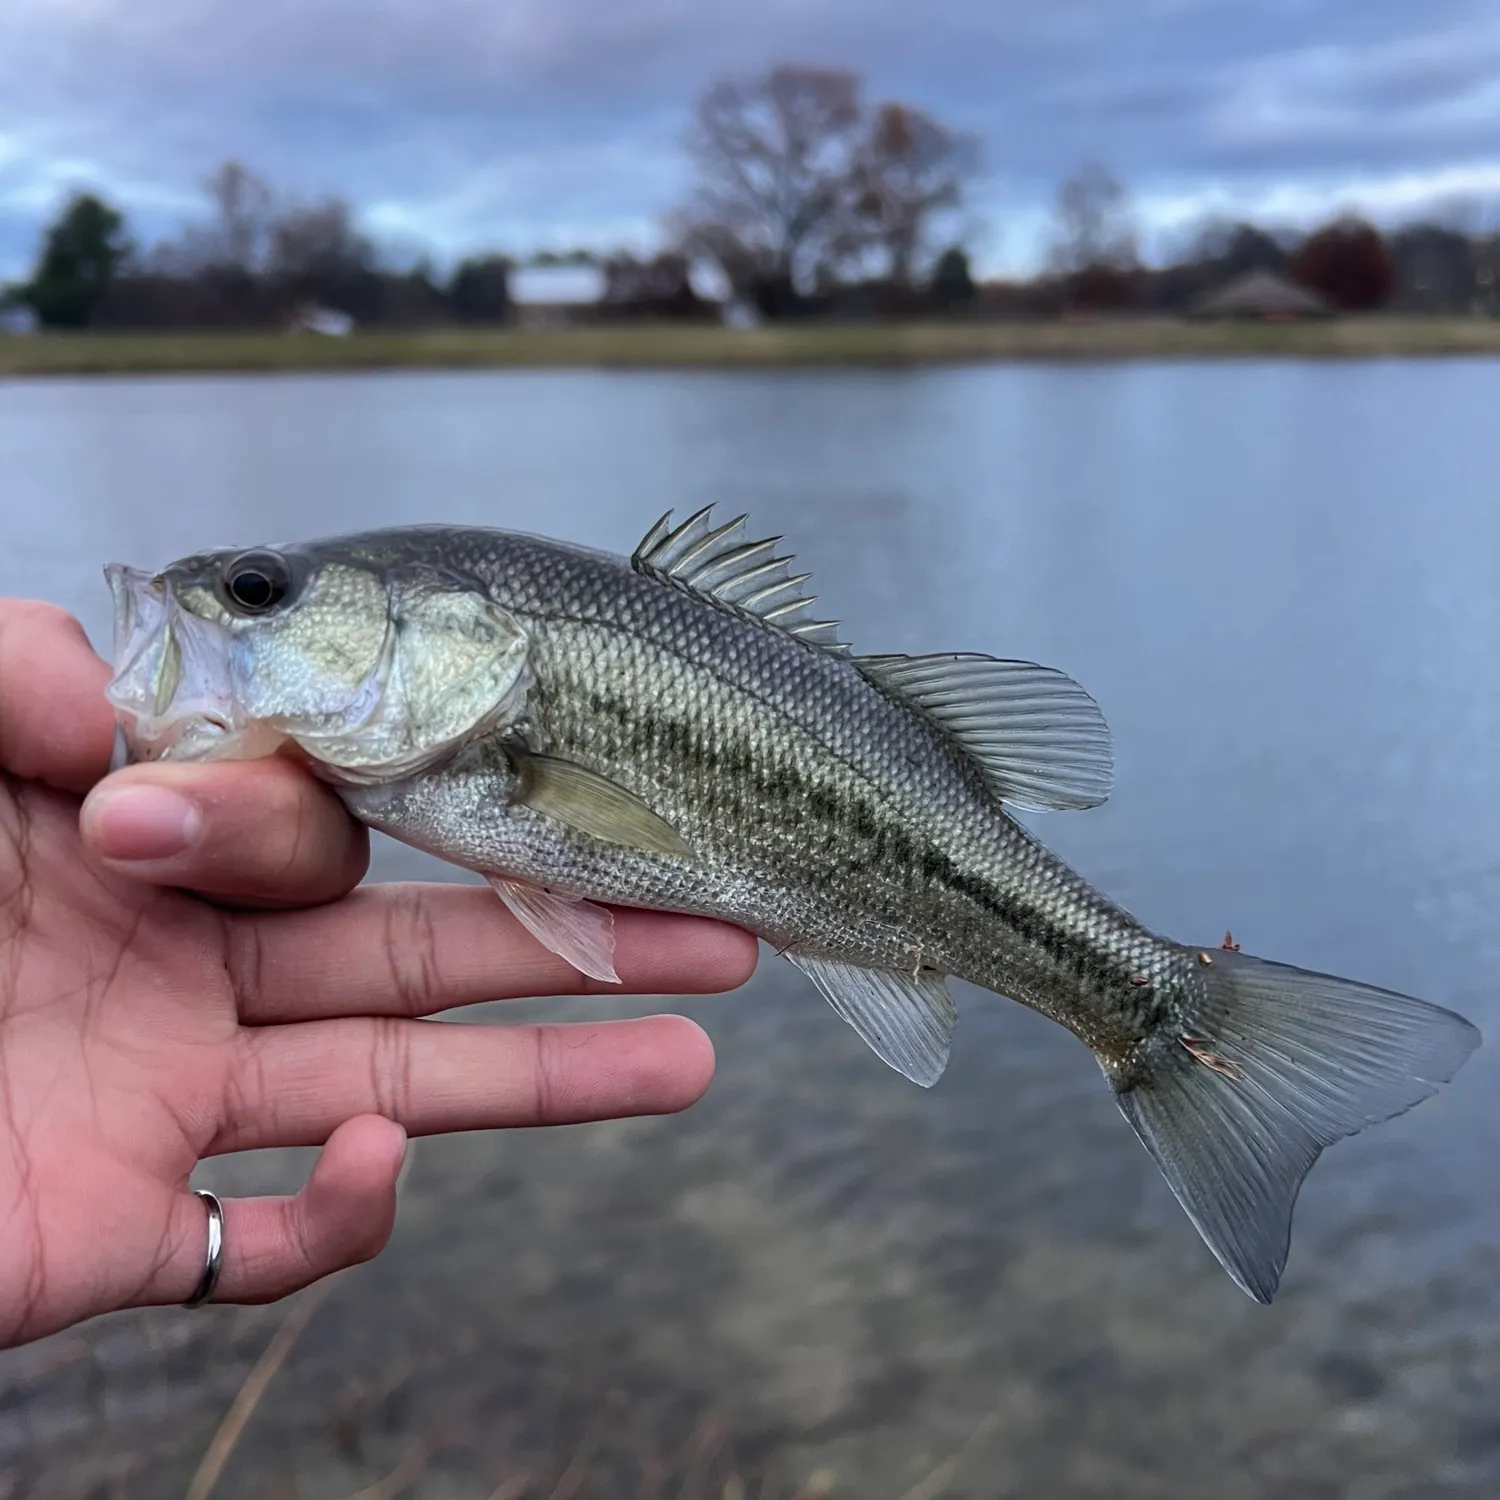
718, 564
1040, 740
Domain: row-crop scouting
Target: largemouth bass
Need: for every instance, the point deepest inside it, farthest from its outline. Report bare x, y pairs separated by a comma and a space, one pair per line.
675, 730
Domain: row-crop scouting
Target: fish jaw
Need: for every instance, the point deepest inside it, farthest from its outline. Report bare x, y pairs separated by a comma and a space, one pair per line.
173, 686
438, 667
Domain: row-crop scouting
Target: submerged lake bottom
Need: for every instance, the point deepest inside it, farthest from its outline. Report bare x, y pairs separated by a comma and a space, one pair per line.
1278, 581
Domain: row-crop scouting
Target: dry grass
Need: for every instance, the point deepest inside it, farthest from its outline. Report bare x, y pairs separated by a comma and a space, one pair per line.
257, 1382
702, 1467
676, 347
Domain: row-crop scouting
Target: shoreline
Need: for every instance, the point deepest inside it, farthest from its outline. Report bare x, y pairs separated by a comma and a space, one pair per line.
667, 347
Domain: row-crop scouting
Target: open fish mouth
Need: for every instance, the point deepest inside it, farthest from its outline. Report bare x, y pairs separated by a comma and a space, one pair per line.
173, 687
190, 688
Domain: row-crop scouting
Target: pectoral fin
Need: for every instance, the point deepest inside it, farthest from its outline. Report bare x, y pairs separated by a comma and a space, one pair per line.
591, 804
905, 1019
569, 926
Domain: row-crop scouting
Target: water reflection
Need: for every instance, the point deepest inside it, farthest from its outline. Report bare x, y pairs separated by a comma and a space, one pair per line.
1279, 581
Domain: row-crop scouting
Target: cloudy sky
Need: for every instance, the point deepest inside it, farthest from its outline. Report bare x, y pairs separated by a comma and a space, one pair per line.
524, 123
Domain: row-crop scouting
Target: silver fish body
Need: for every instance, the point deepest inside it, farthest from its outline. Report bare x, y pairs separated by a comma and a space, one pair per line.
823, 813
674, 731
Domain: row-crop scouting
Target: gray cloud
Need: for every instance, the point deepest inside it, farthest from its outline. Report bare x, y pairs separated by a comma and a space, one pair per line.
519, 121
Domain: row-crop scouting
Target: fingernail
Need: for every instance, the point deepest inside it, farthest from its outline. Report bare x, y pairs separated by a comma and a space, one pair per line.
137, 823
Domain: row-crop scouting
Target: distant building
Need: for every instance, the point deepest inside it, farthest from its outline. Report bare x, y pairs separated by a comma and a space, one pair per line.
327, 321
17, 320
708, 280
740, 313
1485, 300
554, 296
1263, 295
1435, 269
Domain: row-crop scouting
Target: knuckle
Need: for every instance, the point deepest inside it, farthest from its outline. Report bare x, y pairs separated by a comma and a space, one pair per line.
248, 1105
17, 892
391, 1091
270, 825
549, 1069
302, 1244
412, 952
284, 816
245, 964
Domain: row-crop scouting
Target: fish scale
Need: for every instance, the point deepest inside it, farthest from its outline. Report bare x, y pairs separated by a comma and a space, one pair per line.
677, 731
930, 866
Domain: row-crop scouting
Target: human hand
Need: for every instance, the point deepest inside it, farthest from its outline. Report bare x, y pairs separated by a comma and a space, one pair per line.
143, 1028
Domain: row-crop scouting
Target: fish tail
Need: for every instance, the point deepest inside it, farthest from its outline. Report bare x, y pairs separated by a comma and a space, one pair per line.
1273, 1064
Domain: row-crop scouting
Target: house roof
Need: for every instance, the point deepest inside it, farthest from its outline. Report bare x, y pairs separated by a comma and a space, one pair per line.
1262, 293
552, 286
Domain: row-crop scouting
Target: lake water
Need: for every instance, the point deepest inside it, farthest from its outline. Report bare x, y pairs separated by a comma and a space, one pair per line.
1281, 581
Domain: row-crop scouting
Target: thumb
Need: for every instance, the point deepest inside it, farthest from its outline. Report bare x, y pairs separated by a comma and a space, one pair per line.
273, 1247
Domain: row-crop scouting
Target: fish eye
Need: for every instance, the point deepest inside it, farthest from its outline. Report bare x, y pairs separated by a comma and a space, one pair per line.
256, 582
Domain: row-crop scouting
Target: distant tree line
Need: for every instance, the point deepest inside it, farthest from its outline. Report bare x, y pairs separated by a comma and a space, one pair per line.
252, 260
806, 198
1095, 266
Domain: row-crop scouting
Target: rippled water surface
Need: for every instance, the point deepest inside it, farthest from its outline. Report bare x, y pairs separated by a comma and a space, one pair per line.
1282, 582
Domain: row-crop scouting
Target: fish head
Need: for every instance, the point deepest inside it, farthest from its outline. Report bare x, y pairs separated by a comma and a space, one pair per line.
372, 667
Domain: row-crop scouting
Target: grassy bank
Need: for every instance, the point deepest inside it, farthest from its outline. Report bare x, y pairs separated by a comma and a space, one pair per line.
659, 347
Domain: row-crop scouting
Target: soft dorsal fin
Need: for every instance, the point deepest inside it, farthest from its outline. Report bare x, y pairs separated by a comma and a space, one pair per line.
1040, 740
720, 565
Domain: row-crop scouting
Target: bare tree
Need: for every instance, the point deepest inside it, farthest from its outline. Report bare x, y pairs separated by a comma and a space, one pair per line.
244, 213
910, 172
774, 157
658, 287
1234, 247
318, 239
317, 253
1095, 230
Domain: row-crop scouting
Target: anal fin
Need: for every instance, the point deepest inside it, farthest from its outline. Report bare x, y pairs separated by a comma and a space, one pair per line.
574, 929
905, 1019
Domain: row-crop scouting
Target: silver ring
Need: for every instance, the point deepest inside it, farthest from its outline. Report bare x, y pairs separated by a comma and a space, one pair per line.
214, 1261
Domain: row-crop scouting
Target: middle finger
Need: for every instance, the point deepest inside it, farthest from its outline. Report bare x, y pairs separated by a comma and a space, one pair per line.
294, 1085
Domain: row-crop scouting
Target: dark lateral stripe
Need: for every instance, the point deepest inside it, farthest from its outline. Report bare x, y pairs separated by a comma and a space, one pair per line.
649, 737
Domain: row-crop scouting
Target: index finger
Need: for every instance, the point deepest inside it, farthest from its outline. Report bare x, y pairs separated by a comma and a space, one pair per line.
55, 725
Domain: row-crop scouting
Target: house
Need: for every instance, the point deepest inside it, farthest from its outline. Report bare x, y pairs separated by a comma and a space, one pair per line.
1485, 300
555, 296
708, 281
1260, 295
327, 321
1434, 267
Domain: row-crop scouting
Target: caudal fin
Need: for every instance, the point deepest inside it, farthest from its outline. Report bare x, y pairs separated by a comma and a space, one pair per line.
1275, 1064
